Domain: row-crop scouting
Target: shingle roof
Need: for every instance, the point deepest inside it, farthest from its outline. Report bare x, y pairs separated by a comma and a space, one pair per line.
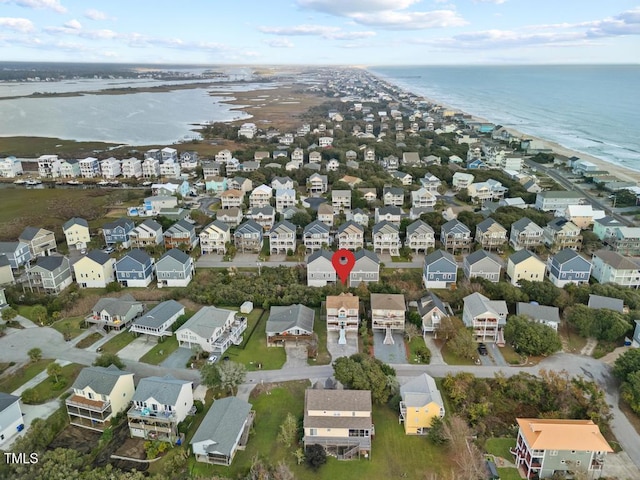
385, 227
138, 255
321, 253
344, 300
165, 390
616, 260
418, 225
598, 301
420, 391
29, 233
100, 379
4, 260
429, 301
477, 304
222, 424
160, 314
282, 318
565, 255
521, 256
481, 255
6, 400
388, 301
437, 255
538, 312
337, 400
177, 255
98, 256
74, 221
50, 263
116, 306
206, 320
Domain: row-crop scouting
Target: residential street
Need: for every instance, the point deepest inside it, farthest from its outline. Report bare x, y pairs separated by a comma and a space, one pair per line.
17, 342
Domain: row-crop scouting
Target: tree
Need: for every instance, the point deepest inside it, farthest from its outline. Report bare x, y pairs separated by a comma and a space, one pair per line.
39, 314
545, 293
209, 375
531, 338
9, 314
316, 456
627, 363
288, 430
630, 391
463, 344
54, 370
362, 372
231, 374
108, 359
467, 456
35, 354
411, 331
301, 219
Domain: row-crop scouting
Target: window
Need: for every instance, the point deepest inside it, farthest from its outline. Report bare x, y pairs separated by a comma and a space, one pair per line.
313, 432
553, 453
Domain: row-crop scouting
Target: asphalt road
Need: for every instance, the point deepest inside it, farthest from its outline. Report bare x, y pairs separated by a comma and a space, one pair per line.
16, 344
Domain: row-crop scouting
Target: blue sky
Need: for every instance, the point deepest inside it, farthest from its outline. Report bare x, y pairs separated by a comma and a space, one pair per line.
351, 32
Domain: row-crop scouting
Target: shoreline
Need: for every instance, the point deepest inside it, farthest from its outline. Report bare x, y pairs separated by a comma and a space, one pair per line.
621, 171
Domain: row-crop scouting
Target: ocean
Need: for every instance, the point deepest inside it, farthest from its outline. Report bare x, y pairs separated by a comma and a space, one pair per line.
594, 109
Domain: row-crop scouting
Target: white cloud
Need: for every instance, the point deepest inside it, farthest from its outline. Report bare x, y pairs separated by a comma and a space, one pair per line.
280, 43
39, 4
497, 2
94, 14
110, 54
350, 35
300, 30
411, 20
348, 7
74, 24
17, 24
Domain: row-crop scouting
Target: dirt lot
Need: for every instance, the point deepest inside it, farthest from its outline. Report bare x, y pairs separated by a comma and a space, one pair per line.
76, 438
120, 436
132, 448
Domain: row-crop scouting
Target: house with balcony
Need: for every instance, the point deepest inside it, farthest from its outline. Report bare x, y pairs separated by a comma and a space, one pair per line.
525, 265
545, 447
561, 233
248, 237
260, 196
231, 216
69, 168
135, 269
99, 393
215, 184
455, 236
420, 403
420, 237
282, 237
368, 194
49, 166
148, 233
604, 228
231, 198
118, 232
96, 269
325, 214
625, 240
431, 183
150, 168
281, 183
89, 167
285, 198
423, 198
491, 235
131, 168
558, 200
115, 313
264, 216
291, 323
340, 201
366, 269
387, 314
612, 267
359, 216
181, 234
10, 167
76, 233
316, 236
174, 269
157, 322
213, 330
461, 180
317, 184
350, 236
50, 274
41, 241
486, 317
482, 264
386, 238
214, 238
343, 315
223, 431
159, 405
17, 253
314, 157
110, 168
491, 190
393, 196
526, 234
340, 421
388, 214
440, 270
320, 271
568, 266
432, 310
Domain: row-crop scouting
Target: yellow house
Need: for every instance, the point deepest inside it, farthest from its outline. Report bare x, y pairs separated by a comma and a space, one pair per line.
421, 403
98, 394
524, 265
94, 270
76, 232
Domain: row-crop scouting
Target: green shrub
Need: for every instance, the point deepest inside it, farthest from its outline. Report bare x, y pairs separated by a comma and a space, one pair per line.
31, 396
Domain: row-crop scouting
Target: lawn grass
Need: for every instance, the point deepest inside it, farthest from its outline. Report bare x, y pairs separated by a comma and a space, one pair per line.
161, 351
452, 359
48, 389
70, 327
509, 474
510, 355
500, 447
88, 340
416, 343
573, 342
320, 329
27, 312
23, 375
255, 348
118, 342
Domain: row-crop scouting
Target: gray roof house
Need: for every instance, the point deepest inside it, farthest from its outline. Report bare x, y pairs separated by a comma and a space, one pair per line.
420, 237
440, 270
482, 264
486, 317
248, 237
568, 266
6, 272
490, 234
282, 237
174, 269
52, 274
159, 405
455, 235
525, 233
40, 240
157, 321
386, 238
98, 394
135, 269
115, 313
366, 268
320, 270
224, 428
432, 310
316, 235
421, 402
213, 329
17, 253
11, 421
599, 301
546, 315
289, 322
181, 234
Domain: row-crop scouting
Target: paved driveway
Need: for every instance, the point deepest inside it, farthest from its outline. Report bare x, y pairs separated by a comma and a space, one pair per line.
296, 355
136, 349
395, 353
336, 350
178, 359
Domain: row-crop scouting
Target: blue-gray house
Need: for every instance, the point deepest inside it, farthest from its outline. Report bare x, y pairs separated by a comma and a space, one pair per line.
117, 232
17, 253
568, 266
135, 269
440, 270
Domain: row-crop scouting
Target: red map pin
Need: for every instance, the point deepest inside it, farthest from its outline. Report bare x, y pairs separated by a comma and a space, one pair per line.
343, 261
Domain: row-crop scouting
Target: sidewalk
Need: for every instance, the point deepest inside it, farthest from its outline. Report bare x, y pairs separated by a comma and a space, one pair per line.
86, 333
37, 379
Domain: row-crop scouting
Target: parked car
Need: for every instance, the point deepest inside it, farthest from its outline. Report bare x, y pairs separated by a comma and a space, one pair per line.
482, 349
109, 250
212, 359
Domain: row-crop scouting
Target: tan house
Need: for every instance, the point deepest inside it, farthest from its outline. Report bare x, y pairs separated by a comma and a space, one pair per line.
525, 265
98, 394
76, 233
340, 421
214, 238
231, 198
41, 241
582, 215
387, 313
561, 233
350, 236
95, 270
343, 313
490, 234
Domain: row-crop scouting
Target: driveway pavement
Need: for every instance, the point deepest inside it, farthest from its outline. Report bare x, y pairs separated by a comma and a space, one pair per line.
296, 355
178, 359
394, 353
136, 349
336, 350
436, 354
